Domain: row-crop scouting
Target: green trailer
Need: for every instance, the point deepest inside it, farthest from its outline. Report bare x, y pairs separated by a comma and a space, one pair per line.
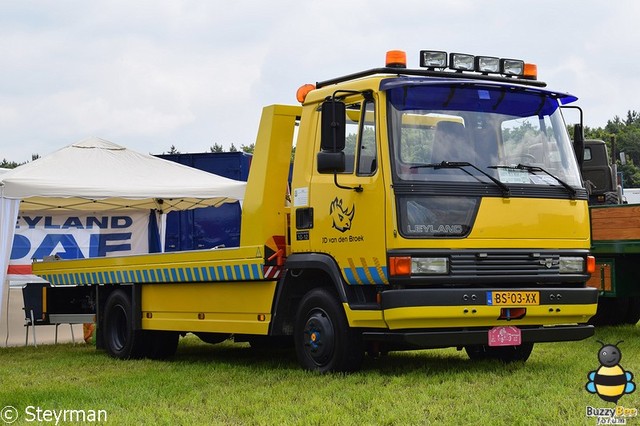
615, 236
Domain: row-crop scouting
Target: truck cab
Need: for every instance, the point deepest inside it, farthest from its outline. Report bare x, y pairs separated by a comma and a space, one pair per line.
598, 174
445, 205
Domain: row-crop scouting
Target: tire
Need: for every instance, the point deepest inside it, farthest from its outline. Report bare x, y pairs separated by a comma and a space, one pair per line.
633, 311
611, 311
323, 340
120, 339
212, 338
477, 352
505, 354
161, 344
611, 198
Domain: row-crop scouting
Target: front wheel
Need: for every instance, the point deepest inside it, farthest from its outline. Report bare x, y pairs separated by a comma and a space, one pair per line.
323, 340
503, 353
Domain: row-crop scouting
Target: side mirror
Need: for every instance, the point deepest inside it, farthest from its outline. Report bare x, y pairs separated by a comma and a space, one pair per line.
331, 162
333, 126
578, 143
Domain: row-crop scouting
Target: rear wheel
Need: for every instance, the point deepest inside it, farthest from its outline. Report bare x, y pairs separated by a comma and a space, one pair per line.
502, 353
633, 312
611, 311
161, 344
323, 340
120, 339
213, 338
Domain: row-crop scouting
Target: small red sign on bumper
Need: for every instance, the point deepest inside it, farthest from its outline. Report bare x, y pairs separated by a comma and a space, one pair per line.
505, 336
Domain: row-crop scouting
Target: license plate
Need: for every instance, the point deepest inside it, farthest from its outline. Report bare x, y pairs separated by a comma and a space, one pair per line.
505, 336
513, 298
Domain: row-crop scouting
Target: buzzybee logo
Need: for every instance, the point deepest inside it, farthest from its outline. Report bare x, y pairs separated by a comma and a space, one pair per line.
610, 382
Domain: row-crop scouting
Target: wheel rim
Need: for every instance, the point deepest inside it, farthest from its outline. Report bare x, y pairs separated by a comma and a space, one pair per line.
118, 325
319, 337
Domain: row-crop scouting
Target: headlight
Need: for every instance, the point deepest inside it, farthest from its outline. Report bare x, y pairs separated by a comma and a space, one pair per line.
429, 265
571, 265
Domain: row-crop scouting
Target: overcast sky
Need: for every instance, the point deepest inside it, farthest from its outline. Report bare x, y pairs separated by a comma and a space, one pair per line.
151, 74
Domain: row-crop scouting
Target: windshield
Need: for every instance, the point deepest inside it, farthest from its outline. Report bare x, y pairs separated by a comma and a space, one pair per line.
516, 136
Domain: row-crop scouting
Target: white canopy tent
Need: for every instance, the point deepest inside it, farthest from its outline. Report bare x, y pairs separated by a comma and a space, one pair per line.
96, 175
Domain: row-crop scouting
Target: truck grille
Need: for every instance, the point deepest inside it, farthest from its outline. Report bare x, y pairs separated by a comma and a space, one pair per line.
497, 264
495, 267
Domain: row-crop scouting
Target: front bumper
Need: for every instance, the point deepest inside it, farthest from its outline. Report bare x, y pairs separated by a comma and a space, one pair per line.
413, 309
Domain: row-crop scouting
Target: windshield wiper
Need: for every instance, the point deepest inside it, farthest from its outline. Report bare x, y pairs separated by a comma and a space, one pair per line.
572, 191
506, 192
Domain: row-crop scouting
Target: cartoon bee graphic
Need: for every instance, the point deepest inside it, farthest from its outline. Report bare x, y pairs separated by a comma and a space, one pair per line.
610, 381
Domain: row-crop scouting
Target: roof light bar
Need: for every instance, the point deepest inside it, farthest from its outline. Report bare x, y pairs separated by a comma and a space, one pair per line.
462, 62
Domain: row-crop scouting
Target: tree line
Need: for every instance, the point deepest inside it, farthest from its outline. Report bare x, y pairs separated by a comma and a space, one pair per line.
625, 131
6, 164
216, 147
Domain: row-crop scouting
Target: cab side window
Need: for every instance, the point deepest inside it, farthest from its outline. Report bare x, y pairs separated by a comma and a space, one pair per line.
352, 125
360, 143
367, 151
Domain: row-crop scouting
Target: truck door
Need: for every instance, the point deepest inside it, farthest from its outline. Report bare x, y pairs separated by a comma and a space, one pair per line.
349, 206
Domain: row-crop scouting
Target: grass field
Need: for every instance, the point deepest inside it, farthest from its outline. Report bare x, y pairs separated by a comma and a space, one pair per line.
234, 384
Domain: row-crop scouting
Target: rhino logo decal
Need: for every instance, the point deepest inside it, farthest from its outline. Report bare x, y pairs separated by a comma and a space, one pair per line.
341, 217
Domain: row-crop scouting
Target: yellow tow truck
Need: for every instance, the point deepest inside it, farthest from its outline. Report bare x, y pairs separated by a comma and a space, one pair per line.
440, 206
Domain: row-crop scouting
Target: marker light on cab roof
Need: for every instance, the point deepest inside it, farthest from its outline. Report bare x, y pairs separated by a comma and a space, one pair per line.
396, 59
303, 91
530, 71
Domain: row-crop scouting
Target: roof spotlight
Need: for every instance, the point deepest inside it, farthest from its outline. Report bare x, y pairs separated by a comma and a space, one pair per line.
461, 62
433, 59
